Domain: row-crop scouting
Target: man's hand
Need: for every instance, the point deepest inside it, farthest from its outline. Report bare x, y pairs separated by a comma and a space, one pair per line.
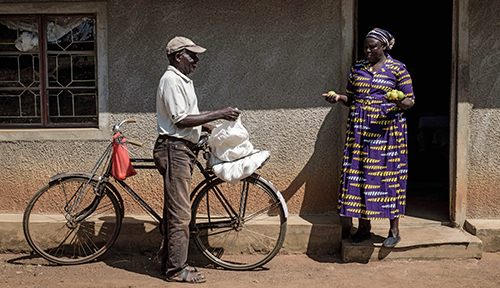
207, 128
229, 113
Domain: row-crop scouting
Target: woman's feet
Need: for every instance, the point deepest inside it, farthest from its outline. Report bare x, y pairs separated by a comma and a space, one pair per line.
391, 241
360, 237
363, 232
394, 237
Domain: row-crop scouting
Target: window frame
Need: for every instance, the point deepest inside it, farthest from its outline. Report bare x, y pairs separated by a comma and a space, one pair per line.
68, 132
44, 87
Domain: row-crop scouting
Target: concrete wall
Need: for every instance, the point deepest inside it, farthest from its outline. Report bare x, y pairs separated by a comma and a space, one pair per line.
483, 199
272, 59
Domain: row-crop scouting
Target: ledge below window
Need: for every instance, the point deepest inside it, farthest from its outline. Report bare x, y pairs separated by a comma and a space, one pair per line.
53, 134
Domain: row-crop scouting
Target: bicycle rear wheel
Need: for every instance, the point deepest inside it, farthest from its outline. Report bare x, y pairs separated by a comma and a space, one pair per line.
67, 222
238, 227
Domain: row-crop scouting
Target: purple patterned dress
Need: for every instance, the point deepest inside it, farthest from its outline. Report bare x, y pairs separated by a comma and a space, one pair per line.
375, 166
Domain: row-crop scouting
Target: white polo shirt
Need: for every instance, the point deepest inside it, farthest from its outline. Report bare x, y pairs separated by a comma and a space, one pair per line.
176, 99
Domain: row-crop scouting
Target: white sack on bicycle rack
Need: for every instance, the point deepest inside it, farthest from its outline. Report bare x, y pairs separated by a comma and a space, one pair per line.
235, 170
229, 141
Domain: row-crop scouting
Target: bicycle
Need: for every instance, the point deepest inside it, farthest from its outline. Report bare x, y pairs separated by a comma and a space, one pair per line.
77, 216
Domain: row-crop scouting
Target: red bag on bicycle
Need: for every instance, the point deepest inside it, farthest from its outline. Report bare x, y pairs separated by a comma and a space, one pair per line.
121, 167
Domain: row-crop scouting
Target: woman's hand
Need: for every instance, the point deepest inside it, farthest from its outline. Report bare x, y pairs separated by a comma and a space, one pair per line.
332, 98
404, 104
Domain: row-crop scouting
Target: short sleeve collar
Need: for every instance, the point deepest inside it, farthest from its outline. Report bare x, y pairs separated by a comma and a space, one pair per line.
184, 77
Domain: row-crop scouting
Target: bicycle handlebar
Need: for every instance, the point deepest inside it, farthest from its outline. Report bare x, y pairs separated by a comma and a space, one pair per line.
117, 127
129, 120
136, 143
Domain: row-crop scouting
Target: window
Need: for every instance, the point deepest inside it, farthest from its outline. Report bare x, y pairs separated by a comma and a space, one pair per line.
48, 71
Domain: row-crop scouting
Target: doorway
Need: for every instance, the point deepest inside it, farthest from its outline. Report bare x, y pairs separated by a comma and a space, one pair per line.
423, 34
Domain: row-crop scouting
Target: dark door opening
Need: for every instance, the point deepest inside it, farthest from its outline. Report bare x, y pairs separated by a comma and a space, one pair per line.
423, 31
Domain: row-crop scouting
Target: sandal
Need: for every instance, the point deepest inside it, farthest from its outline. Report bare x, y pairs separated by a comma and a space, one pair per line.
391, 241
189, 268
192, 269
188, 277
360, 237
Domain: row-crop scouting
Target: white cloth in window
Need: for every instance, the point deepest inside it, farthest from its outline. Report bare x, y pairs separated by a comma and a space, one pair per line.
28, 39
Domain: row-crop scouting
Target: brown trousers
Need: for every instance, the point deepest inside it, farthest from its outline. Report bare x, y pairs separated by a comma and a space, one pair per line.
175, 160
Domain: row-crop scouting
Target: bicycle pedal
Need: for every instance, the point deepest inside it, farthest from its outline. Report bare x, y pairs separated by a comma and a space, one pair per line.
155, 259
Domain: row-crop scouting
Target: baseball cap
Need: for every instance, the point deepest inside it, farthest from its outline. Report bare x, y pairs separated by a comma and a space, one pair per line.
178, 43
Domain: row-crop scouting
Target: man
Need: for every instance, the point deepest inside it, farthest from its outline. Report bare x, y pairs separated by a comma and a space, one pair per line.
179, 125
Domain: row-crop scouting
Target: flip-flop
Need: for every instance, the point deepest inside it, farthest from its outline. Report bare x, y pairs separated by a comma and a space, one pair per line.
189, 268
194, 279
391, 241
360, 237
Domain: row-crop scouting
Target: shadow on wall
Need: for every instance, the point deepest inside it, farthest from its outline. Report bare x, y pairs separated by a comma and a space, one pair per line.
320, 175
321, 180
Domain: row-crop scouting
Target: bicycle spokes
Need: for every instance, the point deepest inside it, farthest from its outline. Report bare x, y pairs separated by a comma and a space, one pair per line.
72, 235
242, 240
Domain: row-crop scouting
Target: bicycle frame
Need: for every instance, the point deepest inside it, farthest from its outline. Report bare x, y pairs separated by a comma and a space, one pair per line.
208, 177
80, 198
103, 181
72, 204
140, 201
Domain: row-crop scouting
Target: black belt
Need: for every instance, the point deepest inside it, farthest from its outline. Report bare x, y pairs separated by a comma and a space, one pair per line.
188, 143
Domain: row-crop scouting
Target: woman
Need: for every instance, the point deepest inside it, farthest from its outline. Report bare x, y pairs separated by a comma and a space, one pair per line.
374, 172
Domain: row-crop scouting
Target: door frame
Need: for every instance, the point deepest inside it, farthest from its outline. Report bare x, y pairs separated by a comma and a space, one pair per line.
459, 106
459, 114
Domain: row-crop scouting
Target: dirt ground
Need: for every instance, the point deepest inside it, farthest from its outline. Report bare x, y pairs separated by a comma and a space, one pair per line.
136, 270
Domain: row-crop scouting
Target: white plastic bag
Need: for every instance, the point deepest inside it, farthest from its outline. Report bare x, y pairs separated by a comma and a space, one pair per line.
230, 141
233, 171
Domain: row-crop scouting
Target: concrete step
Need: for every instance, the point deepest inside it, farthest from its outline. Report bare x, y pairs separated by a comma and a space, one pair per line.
313, 235
488, 230
308, 234
420, 239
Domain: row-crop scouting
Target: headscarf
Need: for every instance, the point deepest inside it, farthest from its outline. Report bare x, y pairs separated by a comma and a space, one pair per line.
382, 36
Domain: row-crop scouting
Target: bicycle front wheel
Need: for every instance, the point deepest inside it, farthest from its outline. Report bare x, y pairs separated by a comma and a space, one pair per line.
69, 221
238, 227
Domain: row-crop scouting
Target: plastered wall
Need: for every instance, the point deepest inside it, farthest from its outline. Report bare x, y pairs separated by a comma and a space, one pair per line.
483, 195
271, 59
